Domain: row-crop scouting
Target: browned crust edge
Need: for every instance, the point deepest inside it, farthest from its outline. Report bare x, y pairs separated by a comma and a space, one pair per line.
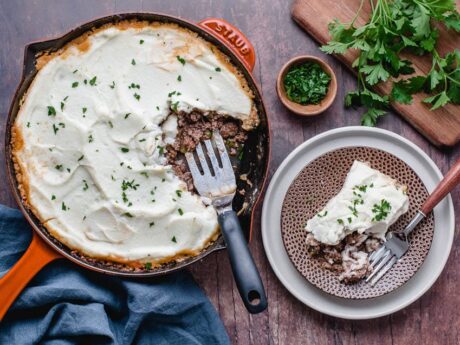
82, 43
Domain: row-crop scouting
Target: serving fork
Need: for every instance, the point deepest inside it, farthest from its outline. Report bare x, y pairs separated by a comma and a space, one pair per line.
215, 182
397, 244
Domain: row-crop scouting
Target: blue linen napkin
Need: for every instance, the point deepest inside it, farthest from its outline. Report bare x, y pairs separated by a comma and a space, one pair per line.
66, 304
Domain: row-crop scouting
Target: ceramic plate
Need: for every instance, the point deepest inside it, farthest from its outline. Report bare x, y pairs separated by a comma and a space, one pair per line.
307, 293
322, 179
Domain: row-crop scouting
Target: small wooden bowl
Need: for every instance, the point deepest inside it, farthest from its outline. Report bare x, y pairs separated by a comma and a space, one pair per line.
309, 109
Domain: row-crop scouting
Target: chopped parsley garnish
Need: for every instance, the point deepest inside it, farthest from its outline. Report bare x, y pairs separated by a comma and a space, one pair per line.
148, 265
112, 86
82, 156
75, 71
61, 124
210, 77
74, 84
174, 239
127, 115
90, 138
362, 188
85, 185
151, 224
141, 42
144, 173
137, 96
158, 108
142, 140
84, 109
322, 215
127, 214
133, 62
134, 86
181, 60
53, 197
129, 184
51, 111
353, 209
110, 124
174, 106
240, 153
124, 149
68, 170
218, 69
349, 219
179, 193
124, 197
307, 83
55, 129
340, 221
64, 206
180, 211
85, 81
172, 93
58, 167
28, 124
92, 82
179, 78
161, 149
381, 210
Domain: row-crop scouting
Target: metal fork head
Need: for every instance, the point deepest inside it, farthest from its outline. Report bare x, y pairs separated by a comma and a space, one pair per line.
215, 180
386, 256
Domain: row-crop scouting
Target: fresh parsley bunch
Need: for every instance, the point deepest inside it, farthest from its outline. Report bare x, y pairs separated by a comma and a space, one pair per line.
398, 26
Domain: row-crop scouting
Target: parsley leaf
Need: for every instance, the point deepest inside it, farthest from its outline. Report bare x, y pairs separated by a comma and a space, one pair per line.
397, 29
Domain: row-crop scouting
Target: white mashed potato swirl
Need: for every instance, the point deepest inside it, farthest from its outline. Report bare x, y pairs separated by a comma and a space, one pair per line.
90, 140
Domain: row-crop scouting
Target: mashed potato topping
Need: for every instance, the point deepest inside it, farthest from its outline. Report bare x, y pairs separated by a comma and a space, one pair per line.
89, 140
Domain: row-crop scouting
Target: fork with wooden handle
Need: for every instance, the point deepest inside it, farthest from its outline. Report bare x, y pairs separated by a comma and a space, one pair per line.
396, 244
215, 182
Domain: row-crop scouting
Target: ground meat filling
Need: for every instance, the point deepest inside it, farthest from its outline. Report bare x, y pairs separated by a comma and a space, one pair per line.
195, 127
348, 259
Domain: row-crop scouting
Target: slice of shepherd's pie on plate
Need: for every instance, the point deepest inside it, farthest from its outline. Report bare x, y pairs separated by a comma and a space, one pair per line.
354, 222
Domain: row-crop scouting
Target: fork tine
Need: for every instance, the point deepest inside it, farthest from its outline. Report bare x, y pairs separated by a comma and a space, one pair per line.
213, 158
384, 270
226, 164
386, 258
192, 164
203, 161
376, 256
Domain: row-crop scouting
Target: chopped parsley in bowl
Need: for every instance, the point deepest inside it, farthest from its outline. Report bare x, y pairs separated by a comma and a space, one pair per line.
306, 85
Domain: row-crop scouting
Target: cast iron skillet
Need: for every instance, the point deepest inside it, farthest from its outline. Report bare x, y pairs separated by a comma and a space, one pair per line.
44, 248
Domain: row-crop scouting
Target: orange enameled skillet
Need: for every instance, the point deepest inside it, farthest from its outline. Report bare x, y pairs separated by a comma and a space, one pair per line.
44, 248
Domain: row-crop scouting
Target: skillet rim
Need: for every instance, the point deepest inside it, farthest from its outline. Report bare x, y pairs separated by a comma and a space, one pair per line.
28, 73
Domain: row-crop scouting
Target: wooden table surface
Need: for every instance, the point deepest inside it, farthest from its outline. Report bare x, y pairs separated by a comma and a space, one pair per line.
433, 319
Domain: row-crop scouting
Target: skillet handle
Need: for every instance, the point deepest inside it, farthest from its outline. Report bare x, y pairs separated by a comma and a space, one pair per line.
232, 38
34, 259
244, 269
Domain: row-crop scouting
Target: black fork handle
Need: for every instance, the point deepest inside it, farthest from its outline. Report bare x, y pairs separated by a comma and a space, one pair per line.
244, 269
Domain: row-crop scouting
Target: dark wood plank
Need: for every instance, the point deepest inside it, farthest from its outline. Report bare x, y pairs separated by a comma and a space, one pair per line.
434, 319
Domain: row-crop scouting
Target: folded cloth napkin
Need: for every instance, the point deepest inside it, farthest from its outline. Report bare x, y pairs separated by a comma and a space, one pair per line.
66, 304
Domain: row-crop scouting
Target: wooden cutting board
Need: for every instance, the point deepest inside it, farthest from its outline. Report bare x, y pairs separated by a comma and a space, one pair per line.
441, 127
